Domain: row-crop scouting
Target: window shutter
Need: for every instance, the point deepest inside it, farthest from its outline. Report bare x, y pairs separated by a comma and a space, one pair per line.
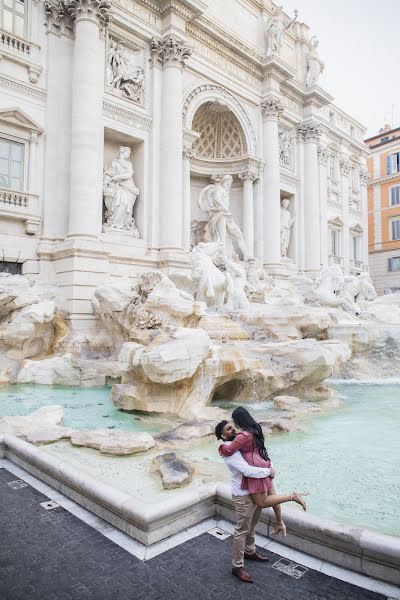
388, 165
390, 264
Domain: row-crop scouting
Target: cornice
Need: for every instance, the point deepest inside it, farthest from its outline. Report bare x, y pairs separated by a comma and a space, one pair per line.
233, 166
130, 117
22, 88
384, 179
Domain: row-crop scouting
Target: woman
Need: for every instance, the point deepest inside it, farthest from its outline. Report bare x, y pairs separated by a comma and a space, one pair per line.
250, 442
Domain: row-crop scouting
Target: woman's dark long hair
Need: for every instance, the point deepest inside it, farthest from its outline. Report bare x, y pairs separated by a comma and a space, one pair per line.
245, 421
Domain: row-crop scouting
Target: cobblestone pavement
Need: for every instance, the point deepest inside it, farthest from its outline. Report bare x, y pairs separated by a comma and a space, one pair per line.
52, 555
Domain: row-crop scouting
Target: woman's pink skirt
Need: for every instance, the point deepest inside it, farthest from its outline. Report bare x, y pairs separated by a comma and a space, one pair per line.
256, 486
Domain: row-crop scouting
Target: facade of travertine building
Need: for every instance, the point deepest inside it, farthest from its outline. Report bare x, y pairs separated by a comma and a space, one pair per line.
384, 209
119, 121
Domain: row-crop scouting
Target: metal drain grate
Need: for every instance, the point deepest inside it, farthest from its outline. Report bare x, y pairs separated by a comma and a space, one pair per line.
290, 568
17, 484
219, 533
49, 504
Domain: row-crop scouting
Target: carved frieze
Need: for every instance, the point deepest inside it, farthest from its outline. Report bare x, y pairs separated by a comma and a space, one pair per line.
125, 76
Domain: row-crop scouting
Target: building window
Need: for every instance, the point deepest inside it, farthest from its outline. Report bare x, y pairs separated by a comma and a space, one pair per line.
384, 139
332, 166
395, 229
393, 163
11, 164
13, 16
335, 243
355, 240
394, 263
7, 266
352, 130
395, 195
332, 117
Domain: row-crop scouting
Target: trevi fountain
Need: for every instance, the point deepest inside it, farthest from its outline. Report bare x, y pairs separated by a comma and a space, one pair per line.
188, 252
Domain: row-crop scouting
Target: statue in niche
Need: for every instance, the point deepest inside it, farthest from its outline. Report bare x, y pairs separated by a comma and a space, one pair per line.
285, 148
122, 75
315, 66
275, 28
214, 200
120, 194
286, 226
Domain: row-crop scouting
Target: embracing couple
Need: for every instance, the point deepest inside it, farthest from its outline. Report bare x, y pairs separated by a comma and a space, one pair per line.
252, 485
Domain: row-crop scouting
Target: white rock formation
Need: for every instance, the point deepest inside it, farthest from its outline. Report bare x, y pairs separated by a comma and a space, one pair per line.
174, 471
178, 358
31, 318
43, 418
61, 370
113, 441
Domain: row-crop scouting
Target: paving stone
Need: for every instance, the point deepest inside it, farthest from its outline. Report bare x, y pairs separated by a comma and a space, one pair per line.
52, 555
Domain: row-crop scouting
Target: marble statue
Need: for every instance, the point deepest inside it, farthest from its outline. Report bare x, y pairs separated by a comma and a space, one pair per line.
259, 284
275, 27
122, 75
360, 288
315, 66
285, 148
210, 284
236, 284
330, 290
120, 194
286, 226
214, 201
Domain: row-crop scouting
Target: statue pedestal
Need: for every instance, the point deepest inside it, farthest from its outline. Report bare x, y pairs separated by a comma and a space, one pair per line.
283, 270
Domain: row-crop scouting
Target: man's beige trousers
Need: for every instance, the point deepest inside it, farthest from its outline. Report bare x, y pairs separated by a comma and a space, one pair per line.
247, 515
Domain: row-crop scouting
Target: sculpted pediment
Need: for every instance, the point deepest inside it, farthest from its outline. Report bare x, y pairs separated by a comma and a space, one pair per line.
17, 118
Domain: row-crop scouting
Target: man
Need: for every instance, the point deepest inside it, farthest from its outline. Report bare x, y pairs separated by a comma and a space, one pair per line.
247, 513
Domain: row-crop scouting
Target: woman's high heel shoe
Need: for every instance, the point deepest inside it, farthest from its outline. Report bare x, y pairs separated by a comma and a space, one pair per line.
298, 497
279, 528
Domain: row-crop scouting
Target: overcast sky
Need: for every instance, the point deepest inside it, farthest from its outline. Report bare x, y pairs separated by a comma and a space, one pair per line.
359, 44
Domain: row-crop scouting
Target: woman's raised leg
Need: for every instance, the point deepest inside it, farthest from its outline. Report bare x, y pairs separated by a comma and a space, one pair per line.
262, 499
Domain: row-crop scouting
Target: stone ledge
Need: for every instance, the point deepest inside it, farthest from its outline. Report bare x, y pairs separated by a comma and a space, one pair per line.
358, 549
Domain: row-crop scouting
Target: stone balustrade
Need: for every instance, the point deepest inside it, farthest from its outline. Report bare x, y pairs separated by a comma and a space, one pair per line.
21, 206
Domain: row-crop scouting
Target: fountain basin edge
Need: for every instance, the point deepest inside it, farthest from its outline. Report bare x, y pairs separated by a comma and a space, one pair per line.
358, 549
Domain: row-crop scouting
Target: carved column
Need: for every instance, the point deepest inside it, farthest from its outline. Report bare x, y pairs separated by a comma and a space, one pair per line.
323, 157
271, 110
172, 54
85, 210
364, 213
309, 133
248, 178
187, 153
344, 184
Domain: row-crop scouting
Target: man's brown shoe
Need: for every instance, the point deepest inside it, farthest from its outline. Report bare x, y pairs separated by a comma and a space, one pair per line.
241, 573
256, 556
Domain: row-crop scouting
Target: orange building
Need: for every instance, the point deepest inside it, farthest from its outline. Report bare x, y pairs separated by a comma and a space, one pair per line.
384, 209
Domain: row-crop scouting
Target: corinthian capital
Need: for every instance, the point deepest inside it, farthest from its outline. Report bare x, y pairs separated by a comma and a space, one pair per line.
364, 176
249, 175
170, 50
309, 131
344, 166
271, 108
99, 10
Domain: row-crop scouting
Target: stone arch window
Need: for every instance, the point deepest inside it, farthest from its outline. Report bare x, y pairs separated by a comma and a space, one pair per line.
221, 135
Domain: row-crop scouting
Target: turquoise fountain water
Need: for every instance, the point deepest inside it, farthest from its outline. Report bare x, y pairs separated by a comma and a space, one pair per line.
84, 408
348, 459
